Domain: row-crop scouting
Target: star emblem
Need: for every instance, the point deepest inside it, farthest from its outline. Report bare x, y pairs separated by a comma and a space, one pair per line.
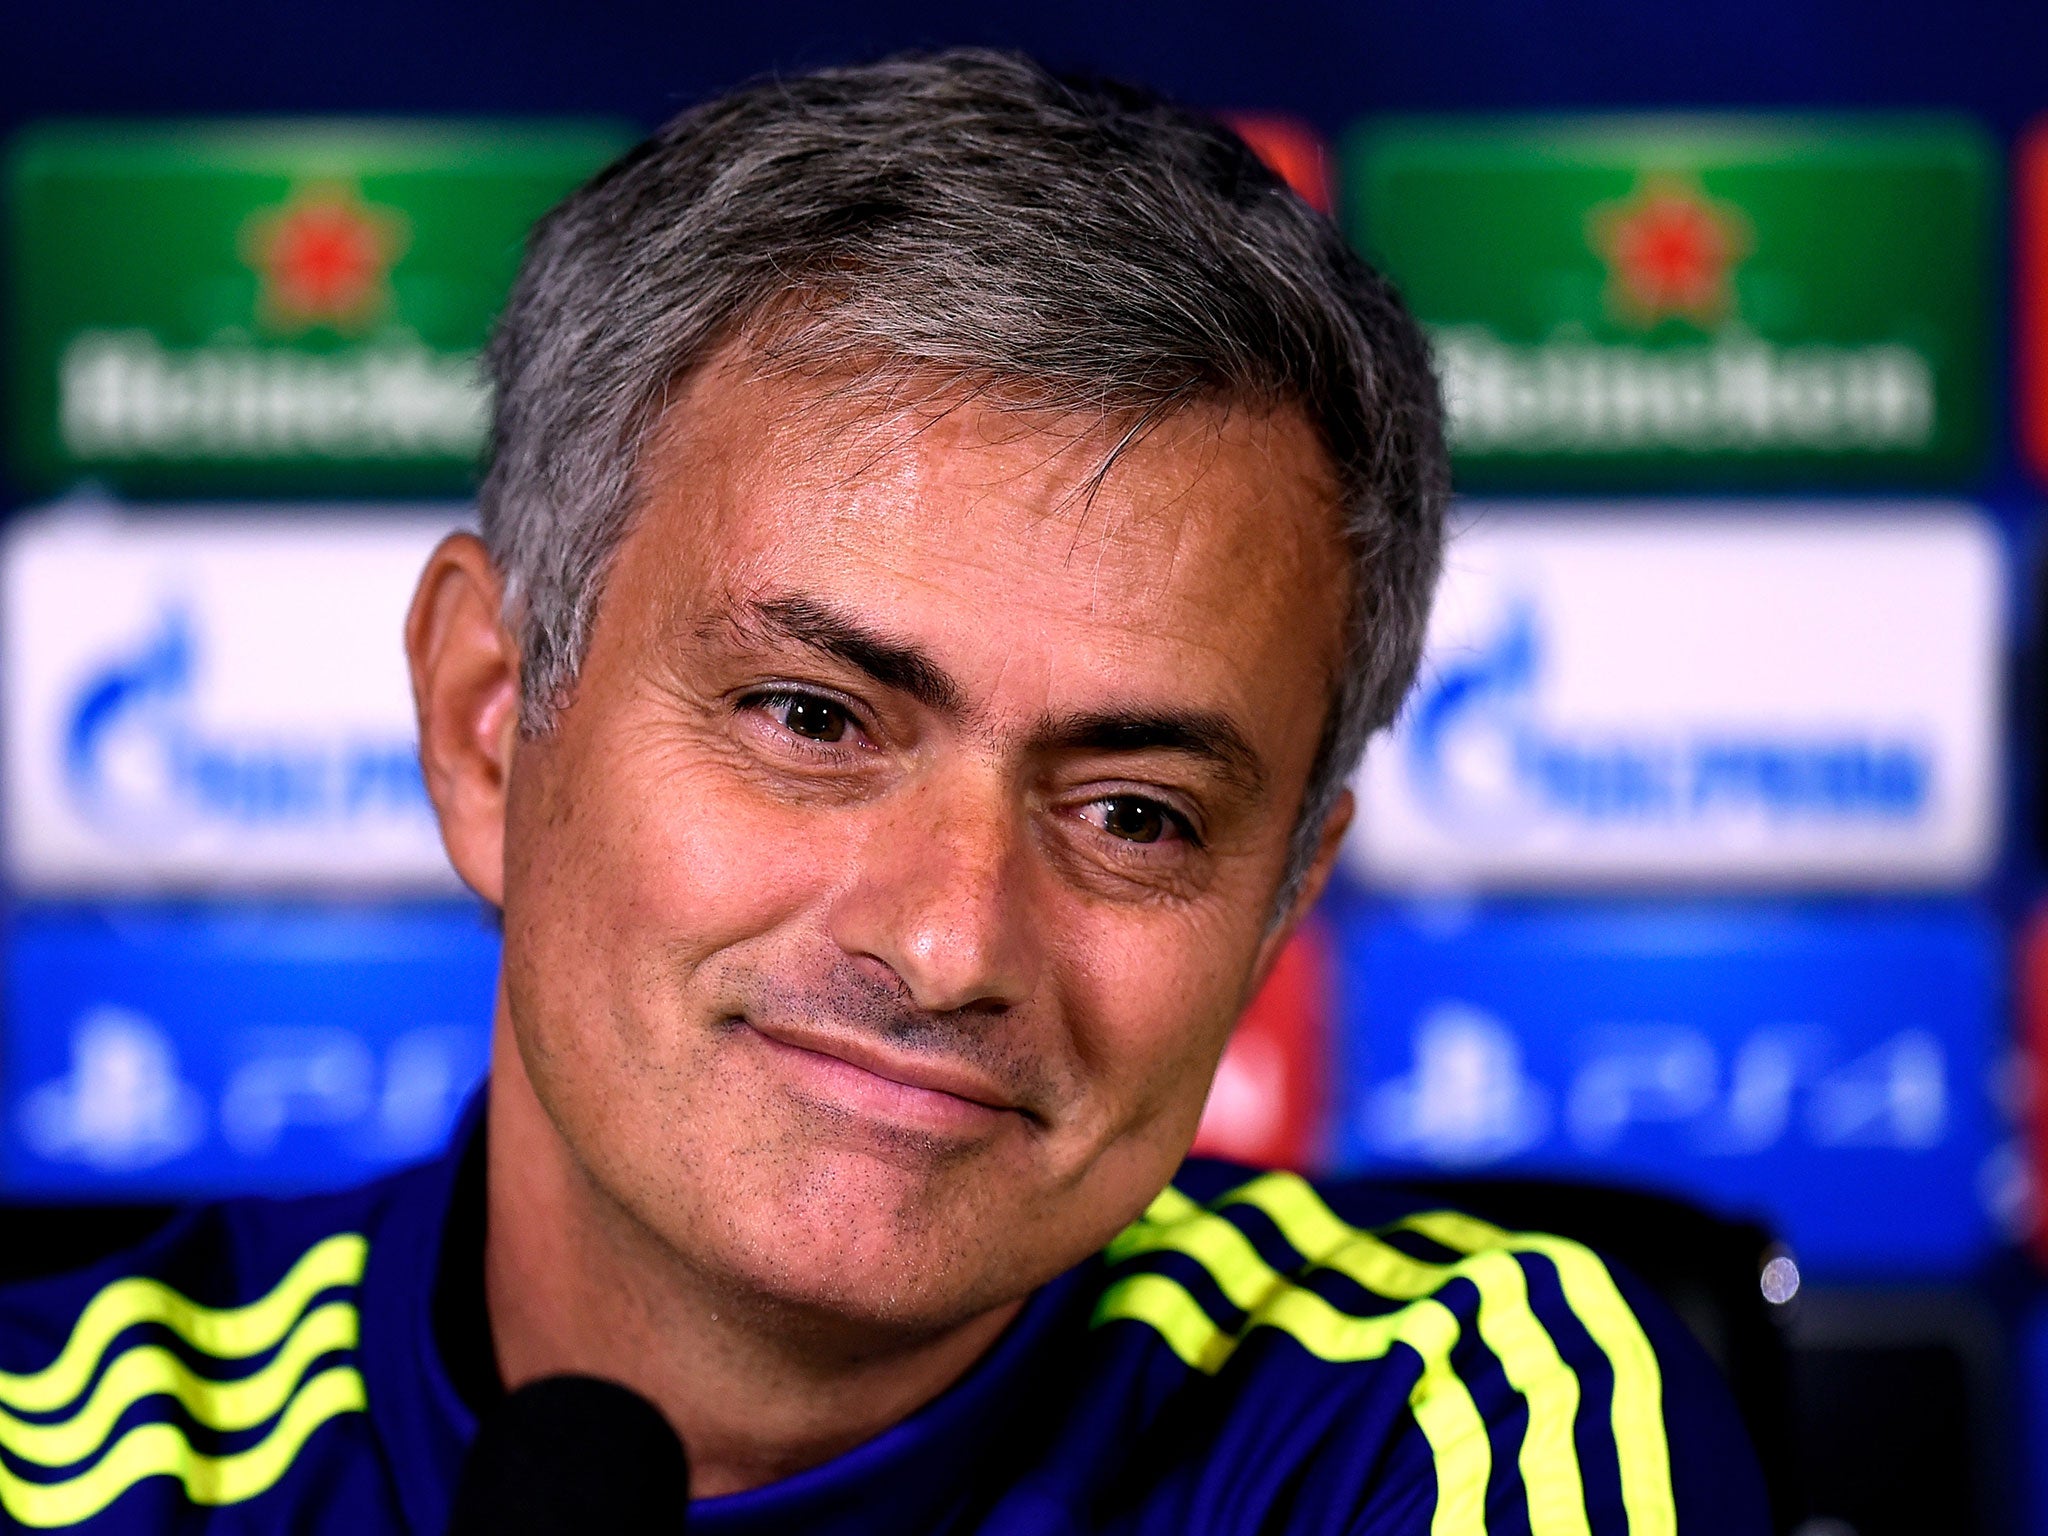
1671, 252
324, 257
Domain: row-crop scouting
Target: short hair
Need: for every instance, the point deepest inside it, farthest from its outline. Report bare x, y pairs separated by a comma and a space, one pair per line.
1082, 245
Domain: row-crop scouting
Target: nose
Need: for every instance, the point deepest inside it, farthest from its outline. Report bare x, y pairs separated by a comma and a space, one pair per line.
942, 895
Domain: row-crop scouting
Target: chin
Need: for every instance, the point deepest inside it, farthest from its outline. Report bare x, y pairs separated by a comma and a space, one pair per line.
863, 1240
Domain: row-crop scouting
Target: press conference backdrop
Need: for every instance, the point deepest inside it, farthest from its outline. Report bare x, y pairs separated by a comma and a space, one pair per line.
1706, 857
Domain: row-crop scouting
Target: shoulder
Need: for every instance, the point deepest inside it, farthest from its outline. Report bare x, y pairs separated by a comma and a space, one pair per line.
192, 1370
1439, 1372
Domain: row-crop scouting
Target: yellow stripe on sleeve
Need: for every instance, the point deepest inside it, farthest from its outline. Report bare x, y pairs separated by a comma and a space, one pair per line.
232, 1333
1549, 1459
1440, 1402
1590, 1291
151, 1369
161, 1450
1163, 1304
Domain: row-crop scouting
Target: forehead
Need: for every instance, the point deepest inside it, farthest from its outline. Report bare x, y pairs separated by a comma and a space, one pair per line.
1199, 510
1211, 530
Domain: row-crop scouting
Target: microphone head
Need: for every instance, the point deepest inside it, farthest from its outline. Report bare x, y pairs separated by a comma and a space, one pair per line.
573, 1453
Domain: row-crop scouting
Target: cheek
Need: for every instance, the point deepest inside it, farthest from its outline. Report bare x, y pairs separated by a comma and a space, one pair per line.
630, 870
1154, 1006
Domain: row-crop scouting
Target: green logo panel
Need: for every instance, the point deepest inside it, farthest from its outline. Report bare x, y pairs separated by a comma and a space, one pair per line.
269, 308
1678, 301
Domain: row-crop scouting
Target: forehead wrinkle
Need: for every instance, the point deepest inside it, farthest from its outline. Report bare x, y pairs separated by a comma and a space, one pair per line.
893, 403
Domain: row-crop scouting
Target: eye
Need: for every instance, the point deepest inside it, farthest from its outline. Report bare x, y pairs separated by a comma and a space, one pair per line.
809, 715
1134, 819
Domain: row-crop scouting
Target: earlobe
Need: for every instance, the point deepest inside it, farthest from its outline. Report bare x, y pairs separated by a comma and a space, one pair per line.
465, 685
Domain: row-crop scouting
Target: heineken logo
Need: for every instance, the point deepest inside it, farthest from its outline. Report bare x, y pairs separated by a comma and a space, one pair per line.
323, 261
1738, 392
1670, 251
1672, 299
324, 258
237, 307
124, 396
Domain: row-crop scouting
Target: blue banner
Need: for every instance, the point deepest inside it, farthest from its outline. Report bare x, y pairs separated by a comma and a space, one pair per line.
169, 1051
1827, 1069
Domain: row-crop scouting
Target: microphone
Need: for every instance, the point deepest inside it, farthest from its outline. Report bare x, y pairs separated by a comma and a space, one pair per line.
572, 1453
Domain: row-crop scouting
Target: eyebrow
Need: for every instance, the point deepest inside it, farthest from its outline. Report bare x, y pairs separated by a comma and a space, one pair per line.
896, 664
1199, 734
908, 668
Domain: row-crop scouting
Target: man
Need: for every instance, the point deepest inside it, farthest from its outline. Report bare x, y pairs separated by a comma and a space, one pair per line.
948, 538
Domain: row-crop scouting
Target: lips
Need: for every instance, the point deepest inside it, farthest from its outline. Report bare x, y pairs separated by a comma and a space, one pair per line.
856, 1077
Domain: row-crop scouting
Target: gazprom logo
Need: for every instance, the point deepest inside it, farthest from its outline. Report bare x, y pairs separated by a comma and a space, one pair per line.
140, 759
1484, 753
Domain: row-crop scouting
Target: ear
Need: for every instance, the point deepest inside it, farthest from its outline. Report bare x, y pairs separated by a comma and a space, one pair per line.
465, 689
1319, 870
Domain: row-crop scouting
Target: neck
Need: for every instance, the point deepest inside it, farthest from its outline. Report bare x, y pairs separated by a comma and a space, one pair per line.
757, 1390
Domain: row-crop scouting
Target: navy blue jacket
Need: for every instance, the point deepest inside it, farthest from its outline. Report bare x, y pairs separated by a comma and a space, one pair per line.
1243, 1359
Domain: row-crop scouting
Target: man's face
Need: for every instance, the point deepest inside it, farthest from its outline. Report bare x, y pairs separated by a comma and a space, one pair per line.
880, 904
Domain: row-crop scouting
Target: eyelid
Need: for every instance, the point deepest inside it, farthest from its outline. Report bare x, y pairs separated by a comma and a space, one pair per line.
783, 693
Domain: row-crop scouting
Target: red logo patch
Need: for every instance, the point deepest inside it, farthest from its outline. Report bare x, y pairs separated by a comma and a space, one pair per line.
1671, 252
324, 257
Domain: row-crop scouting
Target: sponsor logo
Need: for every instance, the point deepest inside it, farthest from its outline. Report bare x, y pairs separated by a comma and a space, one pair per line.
126, 397
122, 1105
1481, 755
211, 702
1468, 1100
163, 1050
234, 304
1587, 708
137, 761
1670, 251
1738, 393
324, 258
1658, 297
323, 261
1833, 1070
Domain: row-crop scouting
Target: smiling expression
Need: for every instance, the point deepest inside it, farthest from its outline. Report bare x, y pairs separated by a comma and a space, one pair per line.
880, 903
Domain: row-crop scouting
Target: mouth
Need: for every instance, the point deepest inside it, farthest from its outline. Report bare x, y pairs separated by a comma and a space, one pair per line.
940, 1100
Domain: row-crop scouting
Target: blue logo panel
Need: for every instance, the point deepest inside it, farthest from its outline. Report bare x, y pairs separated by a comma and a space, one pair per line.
1827, 1069
1480, 755
161, 1051
134, 757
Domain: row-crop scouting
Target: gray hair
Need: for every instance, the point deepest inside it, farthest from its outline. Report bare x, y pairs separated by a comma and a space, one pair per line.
969, 215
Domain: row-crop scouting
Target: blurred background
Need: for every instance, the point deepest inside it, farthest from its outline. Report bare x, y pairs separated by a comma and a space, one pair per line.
1706, 860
